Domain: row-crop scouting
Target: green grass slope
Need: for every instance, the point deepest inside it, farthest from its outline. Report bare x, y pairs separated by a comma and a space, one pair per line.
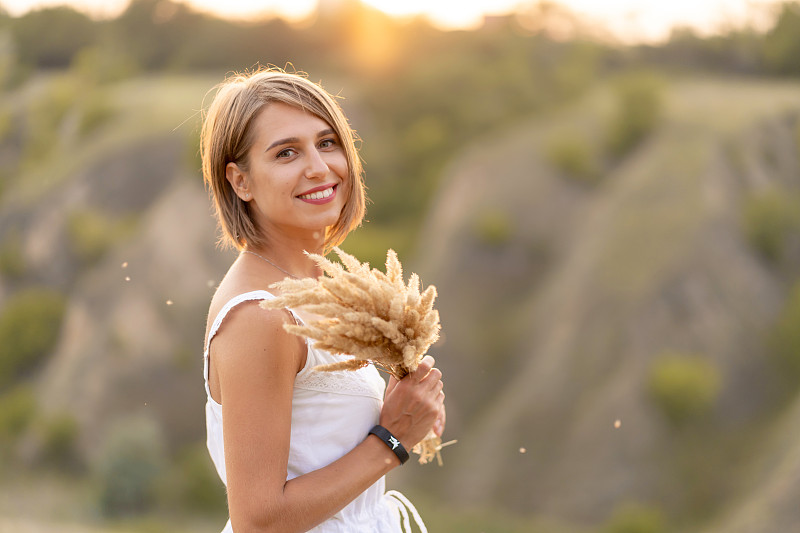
558, 298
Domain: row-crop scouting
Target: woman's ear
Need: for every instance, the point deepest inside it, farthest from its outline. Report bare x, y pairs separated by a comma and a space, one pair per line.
238, 181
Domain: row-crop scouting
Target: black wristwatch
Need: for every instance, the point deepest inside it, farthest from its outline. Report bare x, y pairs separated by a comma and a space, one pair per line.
391, 441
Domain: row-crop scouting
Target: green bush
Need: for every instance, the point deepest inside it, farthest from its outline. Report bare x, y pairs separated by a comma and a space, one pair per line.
493, 227
59, 442
99, 65
129, 467
6, 122
638, 99
193, 483
204, 490
785, 336
88, 233
48, 37
45, 116
95, 111
92, 233
781, 44
17, 411
571, 153
684, 387
30, 324
58, 98
635, 518
769, 219
12, 260
70, 98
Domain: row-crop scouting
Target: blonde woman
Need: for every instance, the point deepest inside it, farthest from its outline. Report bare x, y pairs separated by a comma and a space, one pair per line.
298, 450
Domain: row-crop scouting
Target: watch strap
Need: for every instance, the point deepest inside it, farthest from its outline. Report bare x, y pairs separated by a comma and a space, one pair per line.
391, 441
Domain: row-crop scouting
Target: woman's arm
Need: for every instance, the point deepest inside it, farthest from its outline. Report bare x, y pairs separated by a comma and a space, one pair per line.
256, 363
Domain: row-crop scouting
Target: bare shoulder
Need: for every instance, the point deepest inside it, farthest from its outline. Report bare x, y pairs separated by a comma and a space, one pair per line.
237, 281
249, 329
250, 338
252, 345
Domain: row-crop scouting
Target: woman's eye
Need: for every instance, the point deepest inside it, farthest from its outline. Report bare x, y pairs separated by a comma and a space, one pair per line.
283, 154
327, 143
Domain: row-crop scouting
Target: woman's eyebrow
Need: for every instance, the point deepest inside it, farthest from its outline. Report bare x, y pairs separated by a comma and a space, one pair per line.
289, 140
279, 142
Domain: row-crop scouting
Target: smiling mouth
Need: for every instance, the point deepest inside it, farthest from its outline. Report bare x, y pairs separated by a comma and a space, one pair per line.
318, 195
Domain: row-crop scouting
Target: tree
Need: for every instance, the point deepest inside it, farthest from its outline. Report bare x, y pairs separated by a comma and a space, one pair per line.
50, 37
782, 42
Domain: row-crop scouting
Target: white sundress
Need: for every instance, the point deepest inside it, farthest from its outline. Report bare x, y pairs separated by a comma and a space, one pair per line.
334, 408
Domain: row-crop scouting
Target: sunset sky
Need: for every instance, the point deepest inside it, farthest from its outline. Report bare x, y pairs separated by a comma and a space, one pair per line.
631, 20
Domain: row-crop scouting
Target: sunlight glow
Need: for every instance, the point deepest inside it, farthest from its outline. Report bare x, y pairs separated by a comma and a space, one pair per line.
446, 14
648, 20
629, 20
243, 9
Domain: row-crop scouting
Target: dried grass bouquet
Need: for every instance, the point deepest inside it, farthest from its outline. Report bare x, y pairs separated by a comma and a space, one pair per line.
372, 316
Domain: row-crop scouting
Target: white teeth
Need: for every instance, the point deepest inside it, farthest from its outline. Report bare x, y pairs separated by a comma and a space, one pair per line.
319, 195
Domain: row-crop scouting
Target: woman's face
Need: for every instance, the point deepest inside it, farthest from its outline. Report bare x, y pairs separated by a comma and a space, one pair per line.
297, 176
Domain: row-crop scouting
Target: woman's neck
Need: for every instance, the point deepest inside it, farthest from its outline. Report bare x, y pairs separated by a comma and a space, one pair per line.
289, 255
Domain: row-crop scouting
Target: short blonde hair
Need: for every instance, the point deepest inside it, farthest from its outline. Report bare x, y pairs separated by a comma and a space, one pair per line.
228, 135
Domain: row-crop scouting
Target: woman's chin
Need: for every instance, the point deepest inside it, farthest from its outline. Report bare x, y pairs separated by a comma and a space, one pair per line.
318, 230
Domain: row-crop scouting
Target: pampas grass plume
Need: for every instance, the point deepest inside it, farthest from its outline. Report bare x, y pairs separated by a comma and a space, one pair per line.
373, 316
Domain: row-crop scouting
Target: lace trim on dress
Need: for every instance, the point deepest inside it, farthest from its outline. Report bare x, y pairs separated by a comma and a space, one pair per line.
363, 382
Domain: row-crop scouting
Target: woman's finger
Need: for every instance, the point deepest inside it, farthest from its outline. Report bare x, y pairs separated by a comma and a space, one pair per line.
438, 426
434, 376
423, 368
391, 385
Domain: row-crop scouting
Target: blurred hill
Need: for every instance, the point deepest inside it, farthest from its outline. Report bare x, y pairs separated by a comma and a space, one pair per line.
614, 232
559, 298
127, 236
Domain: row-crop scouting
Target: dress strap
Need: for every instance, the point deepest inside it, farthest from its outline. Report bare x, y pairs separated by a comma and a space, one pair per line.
396, 499
230, 304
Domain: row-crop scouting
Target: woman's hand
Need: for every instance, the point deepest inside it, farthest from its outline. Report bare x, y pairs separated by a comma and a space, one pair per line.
441, 420
414, 404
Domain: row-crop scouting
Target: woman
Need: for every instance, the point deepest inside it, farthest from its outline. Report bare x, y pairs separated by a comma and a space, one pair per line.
298, 450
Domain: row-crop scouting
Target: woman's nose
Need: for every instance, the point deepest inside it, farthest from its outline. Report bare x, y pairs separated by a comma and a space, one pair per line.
317, 167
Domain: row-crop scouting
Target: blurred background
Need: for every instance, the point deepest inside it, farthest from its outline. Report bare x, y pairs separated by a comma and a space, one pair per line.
606, 195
